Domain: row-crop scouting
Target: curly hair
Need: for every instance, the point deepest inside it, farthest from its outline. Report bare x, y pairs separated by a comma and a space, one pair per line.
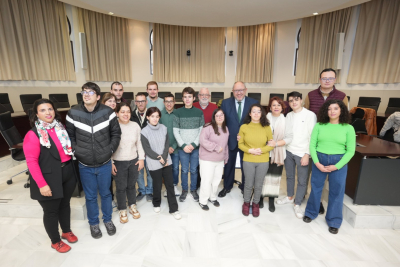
263, 120
323, 116
277, 99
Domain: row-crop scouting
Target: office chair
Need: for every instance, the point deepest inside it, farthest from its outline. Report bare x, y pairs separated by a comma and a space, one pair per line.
359, 126
79, 98
256, 96
281, 96
369, 102
60, 100
162, 94
5, 104
14, 141
216, 96
359, 114
28, 100
393, 106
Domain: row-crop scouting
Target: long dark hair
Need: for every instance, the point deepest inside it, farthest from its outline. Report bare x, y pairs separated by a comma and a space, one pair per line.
214, 124
323, 116
263, 120
32, 116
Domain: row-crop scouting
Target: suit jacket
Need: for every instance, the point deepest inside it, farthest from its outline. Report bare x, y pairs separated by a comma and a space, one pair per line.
232, 120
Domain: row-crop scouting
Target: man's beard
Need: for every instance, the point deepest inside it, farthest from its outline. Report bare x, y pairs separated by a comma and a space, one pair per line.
204, 102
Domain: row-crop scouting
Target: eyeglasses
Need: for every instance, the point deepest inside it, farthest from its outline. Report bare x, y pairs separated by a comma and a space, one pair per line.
203, 95
169, 102
331, 79
220, 116
140, 102
239, 90
88, 92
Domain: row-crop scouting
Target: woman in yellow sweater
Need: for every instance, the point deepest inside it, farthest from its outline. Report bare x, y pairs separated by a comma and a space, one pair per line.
254, 135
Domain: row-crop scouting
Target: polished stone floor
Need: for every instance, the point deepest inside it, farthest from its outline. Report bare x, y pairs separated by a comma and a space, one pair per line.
218, 237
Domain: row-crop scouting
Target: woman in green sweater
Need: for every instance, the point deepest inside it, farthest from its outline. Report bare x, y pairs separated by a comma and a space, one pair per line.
332, 145
254, 135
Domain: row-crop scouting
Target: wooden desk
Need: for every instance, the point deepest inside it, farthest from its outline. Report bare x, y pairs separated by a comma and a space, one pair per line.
21, 121
372, 180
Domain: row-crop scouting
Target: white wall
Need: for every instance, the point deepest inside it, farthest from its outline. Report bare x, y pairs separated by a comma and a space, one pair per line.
283, 79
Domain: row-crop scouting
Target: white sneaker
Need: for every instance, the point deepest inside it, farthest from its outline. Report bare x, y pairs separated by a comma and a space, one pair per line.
299, 213
176, 215
165, 193
157, 209
285, 200
177, 193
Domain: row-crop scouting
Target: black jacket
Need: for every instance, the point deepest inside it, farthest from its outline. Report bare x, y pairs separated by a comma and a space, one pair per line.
135, 118
94, 135
50, 165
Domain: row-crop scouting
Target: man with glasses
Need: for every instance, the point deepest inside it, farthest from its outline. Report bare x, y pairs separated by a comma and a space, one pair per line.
235, 108
167, 118
139, 116
118, 90
152, 99
327, 90
205, 105
95, 134
316, 98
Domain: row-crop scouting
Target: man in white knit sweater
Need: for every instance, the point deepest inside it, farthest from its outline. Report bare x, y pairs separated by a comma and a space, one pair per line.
301, 121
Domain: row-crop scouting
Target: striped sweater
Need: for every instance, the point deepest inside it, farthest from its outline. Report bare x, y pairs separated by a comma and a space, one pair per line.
188, 123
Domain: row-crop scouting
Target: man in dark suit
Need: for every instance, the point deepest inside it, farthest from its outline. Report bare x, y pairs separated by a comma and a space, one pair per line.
235, 108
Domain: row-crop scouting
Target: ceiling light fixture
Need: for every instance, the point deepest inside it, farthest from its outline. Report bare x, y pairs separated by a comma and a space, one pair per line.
110, 13
315, 13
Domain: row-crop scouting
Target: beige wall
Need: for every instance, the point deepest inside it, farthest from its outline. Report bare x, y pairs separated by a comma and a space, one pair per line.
283, 79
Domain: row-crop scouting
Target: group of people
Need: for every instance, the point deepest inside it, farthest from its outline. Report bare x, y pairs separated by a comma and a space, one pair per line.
114, 140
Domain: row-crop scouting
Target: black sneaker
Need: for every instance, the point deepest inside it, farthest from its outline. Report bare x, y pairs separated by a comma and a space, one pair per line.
194, 195
149, 197
204, 207
183, 196
214, 202
95, 231
139, 196
111, 230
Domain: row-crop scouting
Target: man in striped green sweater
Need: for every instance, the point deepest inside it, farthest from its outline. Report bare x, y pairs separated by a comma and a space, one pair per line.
188, 123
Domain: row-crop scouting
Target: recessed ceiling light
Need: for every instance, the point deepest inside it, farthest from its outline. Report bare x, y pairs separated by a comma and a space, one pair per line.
315, 13
110, 13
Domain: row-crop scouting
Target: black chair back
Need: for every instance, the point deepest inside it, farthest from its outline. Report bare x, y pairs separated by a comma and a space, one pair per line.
5, 104
178, 97
102, 94
369, 102
128, 96
359, 126
196, 95
163, 94
393, 106
60, 100
28, 100
216, 96
359, 114
11, 135
79, 98
281, 96
256, 96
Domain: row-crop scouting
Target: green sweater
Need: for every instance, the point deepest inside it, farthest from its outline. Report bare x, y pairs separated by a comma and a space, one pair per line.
188, 123
167, 119
333, 139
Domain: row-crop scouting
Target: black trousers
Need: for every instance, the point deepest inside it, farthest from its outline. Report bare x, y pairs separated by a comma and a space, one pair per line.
58, 210
157, 176
125, 181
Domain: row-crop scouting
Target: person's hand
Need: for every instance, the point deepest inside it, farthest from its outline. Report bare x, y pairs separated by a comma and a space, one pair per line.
304, 160
161, 160
331, 168
321, 167
271, 143
114, 170
187, 149
258, 151
238, 138
45, 191
255, 151
171, 150
190, 147
141, 164
221, 149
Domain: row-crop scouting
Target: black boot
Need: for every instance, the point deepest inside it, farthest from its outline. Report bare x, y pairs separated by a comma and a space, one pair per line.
321, 208
271, 203
261, 203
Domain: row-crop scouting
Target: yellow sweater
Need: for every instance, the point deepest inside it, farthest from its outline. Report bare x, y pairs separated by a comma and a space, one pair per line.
253, 135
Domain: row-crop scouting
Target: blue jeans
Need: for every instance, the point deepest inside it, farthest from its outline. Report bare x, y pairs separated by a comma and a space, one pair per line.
187, 159
93, 180
145, 190
175, 168
337, 184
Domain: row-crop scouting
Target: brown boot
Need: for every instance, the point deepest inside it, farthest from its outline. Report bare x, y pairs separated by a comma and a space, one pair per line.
246, 208
256, 210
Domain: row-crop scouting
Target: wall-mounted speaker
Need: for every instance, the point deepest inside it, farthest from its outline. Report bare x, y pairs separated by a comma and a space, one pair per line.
82, 42
339, 51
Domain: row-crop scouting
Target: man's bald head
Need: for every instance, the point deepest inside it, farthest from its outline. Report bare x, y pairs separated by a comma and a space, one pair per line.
204, 96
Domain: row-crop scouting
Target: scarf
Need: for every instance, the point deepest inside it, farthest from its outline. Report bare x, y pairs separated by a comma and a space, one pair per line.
62, 135
278, 154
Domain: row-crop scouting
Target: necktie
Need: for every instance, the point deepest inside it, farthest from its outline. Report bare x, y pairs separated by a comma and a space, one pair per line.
239, 110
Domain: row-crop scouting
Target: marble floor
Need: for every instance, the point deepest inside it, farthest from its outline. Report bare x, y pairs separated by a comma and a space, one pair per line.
218, 237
